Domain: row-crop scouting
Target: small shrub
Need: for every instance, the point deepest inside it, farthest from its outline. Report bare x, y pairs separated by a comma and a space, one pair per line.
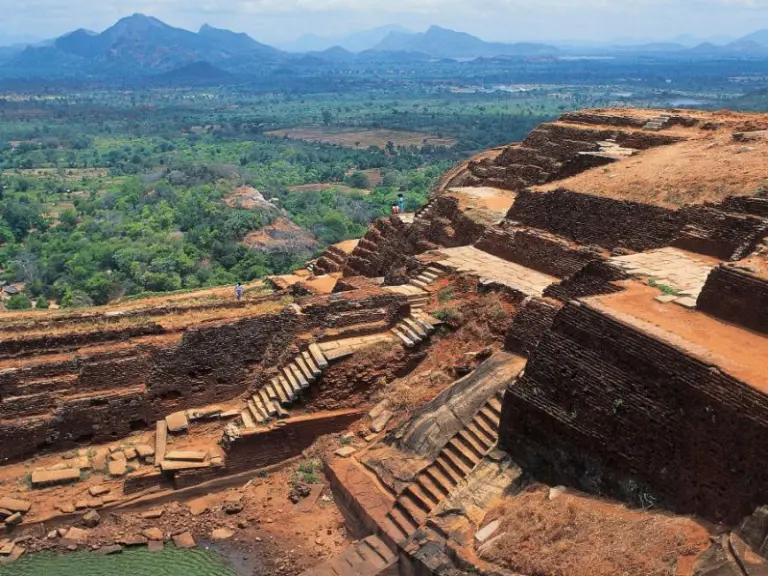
307, 473
345, 440
450, 315
445, 294
18, 302
42, 303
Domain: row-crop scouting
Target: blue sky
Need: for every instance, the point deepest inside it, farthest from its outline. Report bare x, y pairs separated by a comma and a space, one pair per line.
504, 20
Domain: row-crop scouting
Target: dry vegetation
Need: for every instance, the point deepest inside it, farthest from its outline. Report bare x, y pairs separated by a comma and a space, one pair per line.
363, 138
574, 536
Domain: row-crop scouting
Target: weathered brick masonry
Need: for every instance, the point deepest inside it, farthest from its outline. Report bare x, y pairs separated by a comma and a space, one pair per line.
736, 296
531, 322
612, 410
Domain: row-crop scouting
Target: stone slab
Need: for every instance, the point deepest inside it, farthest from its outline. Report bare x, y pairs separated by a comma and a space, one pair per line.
176, 465
49, 477
686, 302
308, 503
188, 455
117, 467
98, 490
144, 450
666, 298
153, 533
346, 451
487, 531
155, 546
15, 505
177, 422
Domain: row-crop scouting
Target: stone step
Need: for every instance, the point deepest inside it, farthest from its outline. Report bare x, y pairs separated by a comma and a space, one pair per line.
382, 551
442, 481
405, 524
491, 419
317, 356
282, 413
425, 326
308, 374
419, 284
406, 341
394, 531
299, 376
271, 391
339, 353
311, 364
416, 516
415, 328
433, 493
292, 380
480, 436
460, 461
495, 406
257, 416
287, 388
266, 402
420, 497
425, 279
354, 561
488, 424
489, 433
261, 405
446, 467
469, 443
370, 557
280, 391
405, 329
248, 422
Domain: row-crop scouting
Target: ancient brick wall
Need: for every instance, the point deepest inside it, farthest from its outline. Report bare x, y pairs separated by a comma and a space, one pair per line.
262, 449
612, 410
724, 235
590, 219
736, 296
386, 244
597, 277
536, 250
532, 321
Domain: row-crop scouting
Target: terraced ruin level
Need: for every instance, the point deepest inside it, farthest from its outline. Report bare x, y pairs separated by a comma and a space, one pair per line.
556, 366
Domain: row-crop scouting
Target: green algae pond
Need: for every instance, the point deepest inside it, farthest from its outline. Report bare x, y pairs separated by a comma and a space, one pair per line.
132, 562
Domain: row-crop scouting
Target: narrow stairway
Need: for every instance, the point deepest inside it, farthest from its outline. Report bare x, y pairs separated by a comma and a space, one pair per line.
424, 212
415, 329
426, 278
284, 389
367, 557
454, 463
658, 123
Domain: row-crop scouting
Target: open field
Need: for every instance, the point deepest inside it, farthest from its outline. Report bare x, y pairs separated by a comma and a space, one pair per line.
363, 138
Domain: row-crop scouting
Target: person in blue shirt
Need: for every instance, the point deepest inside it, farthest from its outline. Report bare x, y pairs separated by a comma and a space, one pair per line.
401, 203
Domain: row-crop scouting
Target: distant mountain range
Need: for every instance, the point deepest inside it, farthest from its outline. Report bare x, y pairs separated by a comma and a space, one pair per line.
357, 42
444, 43
140, 46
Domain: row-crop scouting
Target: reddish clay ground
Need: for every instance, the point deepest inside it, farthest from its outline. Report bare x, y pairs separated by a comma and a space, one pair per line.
739, 352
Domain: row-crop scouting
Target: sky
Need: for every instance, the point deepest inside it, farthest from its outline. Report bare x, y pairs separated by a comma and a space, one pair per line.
276, 21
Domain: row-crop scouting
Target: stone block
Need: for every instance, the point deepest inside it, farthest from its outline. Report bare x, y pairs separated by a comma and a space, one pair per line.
221, 534
346, 451
381, 421
49, 477
152, 514
487, 531
155, 546
76, 534
15, 505
184, 541
14, 519
98, 490
130, 453
666, 298
145, 451
177, 422
176, 465
154, 534
117, 467
188, 455
686, 302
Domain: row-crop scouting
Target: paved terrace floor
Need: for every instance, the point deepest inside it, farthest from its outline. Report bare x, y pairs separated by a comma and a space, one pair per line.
739, 352
683, 272
470, 260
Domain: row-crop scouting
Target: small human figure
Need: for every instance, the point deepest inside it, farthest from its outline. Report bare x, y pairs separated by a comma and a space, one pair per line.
238, 291
395, 209
401, 203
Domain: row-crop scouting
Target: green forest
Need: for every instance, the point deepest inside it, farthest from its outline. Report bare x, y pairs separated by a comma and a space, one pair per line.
106, 194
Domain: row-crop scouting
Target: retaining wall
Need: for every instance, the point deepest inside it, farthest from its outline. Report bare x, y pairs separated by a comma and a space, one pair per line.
613, 410
736, 296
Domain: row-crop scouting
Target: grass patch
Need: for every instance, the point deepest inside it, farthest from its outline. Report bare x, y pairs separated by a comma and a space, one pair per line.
667, 290
448, 314
307, 472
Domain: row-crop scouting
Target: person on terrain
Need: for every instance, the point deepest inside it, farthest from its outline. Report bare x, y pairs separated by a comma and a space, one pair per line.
401, 203
238, 291
395, 209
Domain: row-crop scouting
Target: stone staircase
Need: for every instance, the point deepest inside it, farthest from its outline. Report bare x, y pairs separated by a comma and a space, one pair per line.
658, 123
425, 211
332, 260
284, 389
427, 278
415, 329
368, 557
454, 463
